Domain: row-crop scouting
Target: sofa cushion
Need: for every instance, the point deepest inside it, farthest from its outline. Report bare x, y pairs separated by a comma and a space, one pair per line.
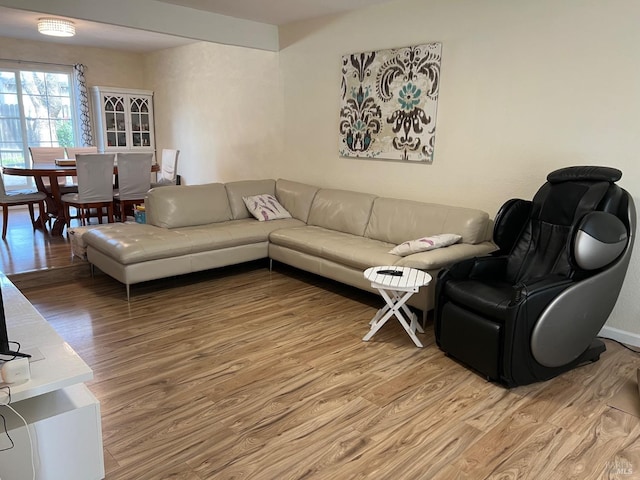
397, 221
130, 243
341, 210
76, 236
296, 197
137, 242
265, 207
234, 233
177, 206
246, 188
344, 248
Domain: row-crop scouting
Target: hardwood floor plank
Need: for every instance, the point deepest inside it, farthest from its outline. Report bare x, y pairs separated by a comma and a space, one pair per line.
320, 441
626, 462
480, 460
538, 455
29, 250
592, 458
493, 405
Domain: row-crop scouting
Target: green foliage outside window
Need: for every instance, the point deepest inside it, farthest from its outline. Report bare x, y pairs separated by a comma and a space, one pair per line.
64, 132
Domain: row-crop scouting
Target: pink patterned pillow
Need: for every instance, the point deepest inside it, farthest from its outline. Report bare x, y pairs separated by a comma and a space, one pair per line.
265, 207
425, 243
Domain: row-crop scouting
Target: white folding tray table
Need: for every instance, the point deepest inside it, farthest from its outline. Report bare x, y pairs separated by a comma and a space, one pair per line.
396, 285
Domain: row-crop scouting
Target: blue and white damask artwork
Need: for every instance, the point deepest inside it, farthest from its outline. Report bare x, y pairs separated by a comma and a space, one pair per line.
389, 103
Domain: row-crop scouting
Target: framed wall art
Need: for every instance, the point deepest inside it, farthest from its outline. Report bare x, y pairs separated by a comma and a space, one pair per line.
389, 103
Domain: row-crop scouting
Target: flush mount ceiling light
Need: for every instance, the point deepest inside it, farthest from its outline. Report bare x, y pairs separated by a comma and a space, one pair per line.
56, 27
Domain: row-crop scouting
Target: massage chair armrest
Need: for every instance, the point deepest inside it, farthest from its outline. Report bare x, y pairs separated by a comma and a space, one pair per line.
477, 268
545, 282
489, 268
538, 292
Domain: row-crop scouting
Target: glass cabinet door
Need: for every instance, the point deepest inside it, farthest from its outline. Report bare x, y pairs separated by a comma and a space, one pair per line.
114, 116
140, 121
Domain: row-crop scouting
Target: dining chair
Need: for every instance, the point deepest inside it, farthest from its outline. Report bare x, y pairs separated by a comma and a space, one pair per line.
48, 155
71, 154
73, 151
95, 187
21, 197
168, 169
134, 181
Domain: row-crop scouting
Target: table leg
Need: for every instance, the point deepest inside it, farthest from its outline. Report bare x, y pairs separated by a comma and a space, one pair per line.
43, 215
56, 211
415, 325
395, 307
378, 325
380, 313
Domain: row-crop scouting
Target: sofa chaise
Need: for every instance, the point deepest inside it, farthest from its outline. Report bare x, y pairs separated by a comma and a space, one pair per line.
334, 233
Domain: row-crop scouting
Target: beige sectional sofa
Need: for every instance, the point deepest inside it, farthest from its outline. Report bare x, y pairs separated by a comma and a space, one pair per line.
333, 233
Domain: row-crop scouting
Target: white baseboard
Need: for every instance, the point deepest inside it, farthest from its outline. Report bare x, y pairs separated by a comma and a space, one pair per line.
628, 338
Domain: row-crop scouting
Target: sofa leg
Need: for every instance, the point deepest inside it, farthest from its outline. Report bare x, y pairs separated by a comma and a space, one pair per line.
271, 264
128, 292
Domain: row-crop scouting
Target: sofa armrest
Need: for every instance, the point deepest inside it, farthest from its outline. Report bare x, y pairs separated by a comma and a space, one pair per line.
443, 257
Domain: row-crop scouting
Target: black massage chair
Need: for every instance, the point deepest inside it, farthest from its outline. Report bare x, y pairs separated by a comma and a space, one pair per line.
533, 309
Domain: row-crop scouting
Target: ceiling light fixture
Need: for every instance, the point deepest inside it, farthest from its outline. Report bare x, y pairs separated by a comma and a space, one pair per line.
56, 27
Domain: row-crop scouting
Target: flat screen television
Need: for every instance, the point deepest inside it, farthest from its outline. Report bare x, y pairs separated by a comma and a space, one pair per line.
5, 348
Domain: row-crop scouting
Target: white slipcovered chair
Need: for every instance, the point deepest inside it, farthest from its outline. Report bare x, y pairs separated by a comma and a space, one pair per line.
168, 174
73, 151
134, 180
95, 187
71, 154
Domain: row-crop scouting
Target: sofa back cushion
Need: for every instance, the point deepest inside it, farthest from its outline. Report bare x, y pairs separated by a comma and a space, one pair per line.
182, 206
247, 188
341, 210
397, 221
296, 197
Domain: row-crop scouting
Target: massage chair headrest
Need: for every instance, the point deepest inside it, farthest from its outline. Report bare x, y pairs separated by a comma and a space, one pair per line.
598, 239
585, 173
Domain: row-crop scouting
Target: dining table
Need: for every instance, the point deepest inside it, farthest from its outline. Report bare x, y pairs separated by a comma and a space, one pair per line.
54, 204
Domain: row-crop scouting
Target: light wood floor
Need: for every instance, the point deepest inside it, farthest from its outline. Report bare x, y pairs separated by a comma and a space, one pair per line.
26, 250
242, 373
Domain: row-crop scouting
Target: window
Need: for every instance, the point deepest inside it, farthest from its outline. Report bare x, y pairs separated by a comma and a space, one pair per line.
36, 109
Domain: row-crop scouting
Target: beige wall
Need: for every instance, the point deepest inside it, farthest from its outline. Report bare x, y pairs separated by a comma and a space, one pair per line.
104, 67
221, 107
526, 87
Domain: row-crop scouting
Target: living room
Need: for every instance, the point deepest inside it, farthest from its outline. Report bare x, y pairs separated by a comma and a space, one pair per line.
525, 89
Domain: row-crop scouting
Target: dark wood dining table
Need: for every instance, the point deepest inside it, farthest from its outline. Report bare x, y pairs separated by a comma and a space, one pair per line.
54, 204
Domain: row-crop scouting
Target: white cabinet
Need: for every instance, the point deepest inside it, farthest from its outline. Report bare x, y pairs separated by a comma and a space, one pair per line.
66, 437
123, 119
62, 415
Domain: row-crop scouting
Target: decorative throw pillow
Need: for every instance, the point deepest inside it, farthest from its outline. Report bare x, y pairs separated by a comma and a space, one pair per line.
425, 243
265, 207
